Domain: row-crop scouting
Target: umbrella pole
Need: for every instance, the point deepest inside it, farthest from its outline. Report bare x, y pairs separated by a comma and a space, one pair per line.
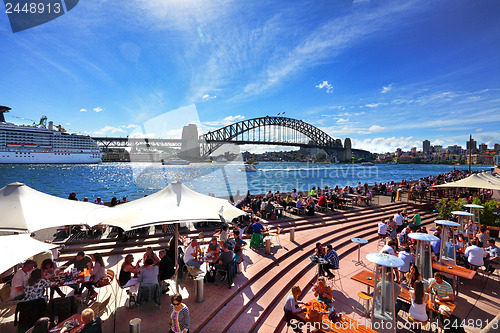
176, 234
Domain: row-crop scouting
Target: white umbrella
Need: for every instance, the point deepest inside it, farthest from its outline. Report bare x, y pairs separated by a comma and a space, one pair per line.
175, 203
27, 210
171, 205
24, 246
473, 181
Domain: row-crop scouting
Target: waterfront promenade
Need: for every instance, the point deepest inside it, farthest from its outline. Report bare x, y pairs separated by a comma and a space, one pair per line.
255, 302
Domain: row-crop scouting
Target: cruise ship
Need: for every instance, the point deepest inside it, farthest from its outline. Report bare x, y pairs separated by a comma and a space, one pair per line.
42, 143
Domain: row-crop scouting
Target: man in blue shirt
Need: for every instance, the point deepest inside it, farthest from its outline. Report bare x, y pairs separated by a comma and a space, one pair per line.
333, 261
258, 227
493, 255
407, 258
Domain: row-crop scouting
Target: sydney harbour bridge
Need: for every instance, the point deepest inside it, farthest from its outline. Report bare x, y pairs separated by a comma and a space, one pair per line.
276, 131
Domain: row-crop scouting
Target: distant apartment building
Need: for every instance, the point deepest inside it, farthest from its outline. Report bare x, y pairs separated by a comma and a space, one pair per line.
438, 149
471, 144
480, 159
454, 149
497, 147
497, 160
426, 147
413, 151
483, 147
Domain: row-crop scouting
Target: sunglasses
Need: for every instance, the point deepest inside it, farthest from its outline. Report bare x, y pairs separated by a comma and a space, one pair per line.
176, 303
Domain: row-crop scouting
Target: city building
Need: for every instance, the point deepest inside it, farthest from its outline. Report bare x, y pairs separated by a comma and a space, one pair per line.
483, 147
426, 147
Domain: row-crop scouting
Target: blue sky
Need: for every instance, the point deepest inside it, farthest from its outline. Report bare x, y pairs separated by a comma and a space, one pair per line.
385, 73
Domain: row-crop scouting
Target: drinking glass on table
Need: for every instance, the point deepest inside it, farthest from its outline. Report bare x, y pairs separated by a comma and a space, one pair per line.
56, 320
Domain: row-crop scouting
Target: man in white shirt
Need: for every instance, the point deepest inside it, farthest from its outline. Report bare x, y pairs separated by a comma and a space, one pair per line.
389, 248
192, 251
382, 229
475, 255
20, 280
398, 218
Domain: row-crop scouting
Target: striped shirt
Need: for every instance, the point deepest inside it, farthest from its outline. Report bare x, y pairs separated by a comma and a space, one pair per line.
333, 258
442, 290
179, 319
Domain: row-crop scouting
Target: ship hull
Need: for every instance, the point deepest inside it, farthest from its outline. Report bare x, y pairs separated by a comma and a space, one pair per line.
33, 157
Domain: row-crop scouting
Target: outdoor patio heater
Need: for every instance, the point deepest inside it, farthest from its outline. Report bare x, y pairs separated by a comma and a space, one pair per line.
448, 253
476, 211
384, 317
463, 219
424, 256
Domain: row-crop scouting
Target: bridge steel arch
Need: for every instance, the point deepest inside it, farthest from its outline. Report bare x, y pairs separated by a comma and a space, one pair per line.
215, 139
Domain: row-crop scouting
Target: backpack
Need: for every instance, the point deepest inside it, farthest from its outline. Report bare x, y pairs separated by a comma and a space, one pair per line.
210, 276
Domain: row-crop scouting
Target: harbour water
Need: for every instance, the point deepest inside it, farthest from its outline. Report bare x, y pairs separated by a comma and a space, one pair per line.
134, 180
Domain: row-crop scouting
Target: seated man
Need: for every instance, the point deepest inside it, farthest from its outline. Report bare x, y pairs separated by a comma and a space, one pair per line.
20, 280
404, 239
382, 229
165, 268
441, 288
333, 261
475, 255
80, 262
213, 247
192, 251
407, 258
322, 201
225, 258
493, 255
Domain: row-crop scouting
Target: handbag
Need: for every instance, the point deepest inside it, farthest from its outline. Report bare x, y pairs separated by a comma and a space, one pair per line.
314, 258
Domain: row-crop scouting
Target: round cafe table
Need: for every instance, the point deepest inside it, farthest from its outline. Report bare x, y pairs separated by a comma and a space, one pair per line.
359, 241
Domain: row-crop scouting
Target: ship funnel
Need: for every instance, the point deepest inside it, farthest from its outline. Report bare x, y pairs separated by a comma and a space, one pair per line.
51, 125
3, 109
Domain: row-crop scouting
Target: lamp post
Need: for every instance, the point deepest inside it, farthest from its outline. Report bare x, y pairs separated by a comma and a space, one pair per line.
423, 255
386, 292
462, 219
447, 249
476, 211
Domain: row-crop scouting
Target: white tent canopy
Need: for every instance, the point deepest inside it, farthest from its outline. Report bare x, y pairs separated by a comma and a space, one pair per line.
473, 181
175, 203
27, 210
25, 247
489, 177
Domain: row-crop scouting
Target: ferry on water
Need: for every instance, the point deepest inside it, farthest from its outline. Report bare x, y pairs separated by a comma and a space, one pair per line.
39, 144
175, 161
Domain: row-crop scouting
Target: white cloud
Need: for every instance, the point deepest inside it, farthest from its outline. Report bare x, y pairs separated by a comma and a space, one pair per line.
383, 145
374, 105
342, 120
68, 124
109, 130
376, 128
325, 84
130, 126
98, 109
224, 122
207, 96
386, 89
83, 110
478, 130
